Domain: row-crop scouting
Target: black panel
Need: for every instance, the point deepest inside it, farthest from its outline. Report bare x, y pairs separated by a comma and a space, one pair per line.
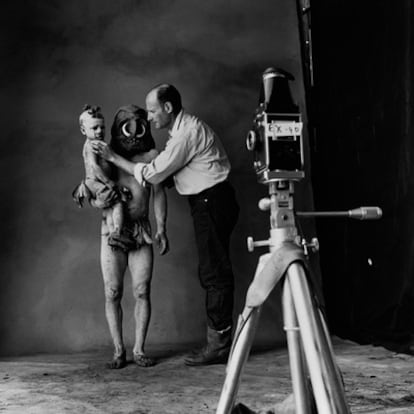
363, 154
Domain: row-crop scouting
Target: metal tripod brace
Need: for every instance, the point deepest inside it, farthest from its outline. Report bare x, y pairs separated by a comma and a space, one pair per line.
309, 346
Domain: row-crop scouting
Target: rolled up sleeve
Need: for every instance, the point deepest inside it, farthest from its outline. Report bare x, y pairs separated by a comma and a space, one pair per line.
175, 156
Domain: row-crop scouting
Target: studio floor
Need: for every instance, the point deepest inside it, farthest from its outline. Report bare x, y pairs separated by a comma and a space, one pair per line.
376, 381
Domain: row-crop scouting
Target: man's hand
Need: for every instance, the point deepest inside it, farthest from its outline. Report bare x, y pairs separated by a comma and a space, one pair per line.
162, 242
138, 173
103, 150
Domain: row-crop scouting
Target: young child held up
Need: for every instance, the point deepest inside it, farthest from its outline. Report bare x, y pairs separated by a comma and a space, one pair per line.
97, 187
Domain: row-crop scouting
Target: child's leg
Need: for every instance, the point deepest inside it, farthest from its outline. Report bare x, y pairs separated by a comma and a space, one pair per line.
120, 237
110, 220
117, 217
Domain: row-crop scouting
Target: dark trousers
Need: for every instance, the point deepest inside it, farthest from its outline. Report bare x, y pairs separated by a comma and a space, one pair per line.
215, 212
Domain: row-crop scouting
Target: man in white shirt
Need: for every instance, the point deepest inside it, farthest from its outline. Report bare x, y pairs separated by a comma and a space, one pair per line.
196, 159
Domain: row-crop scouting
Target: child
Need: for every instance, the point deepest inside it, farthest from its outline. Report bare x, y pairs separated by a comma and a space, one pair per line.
97, 188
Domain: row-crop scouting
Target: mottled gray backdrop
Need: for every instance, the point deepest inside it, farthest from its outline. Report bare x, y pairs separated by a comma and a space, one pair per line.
56, 56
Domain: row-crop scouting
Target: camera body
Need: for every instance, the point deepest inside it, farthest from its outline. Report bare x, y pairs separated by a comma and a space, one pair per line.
276, 136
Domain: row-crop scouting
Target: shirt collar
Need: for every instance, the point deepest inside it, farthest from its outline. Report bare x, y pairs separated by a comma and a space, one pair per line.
177, 123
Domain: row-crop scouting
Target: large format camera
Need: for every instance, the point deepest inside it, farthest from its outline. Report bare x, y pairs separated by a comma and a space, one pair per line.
276, 137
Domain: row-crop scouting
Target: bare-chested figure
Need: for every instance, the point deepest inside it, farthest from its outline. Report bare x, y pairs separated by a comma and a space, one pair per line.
131, 136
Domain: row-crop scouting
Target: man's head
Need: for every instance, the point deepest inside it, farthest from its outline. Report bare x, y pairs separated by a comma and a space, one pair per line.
92, 123
163, 104
131, 132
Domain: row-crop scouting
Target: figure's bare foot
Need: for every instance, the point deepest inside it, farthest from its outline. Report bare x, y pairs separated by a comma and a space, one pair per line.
143, 361
117, 362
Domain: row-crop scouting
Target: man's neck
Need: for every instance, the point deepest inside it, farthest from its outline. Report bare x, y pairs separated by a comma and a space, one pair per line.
172, 123
173, 118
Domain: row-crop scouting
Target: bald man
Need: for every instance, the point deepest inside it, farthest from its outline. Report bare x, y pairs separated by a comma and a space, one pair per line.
195, 157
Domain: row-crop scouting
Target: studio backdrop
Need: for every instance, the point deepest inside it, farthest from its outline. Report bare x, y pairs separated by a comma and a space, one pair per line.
58, 56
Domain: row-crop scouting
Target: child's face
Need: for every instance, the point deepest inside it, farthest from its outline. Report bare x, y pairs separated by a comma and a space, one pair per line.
93, 128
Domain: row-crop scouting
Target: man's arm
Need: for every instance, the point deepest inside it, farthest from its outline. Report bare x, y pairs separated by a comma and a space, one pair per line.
105, 151
160, 213
177, 154
122, 163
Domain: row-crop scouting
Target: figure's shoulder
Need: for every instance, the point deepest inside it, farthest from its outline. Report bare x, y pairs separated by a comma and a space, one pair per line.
145, 156
151, 154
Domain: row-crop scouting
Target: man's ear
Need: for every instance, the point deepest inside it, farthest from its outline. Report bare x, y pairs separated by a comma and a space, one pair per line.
82, 130
168, 107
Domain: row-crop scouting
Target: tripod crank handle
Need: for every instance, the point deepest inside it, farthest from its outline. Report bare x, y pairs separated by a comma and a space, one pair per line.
251, 244
365, 213
312, 246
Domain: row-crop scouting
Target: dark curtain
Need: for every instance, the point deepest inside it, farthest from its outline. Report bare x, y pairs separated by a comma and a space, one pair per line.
363, 154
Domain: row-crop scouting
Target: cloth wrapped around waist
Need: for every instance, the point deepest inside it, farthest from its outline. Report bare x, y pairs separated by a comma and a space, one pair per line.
133, 235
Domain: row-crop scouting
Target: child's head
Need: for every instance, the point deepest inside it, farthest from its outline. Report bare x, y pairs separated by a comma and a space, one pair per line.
92, 123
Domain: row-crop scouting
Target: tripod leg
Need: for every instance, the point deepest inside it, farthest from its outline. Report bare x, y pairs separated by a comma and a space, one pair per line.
329, 365
298, 374
335, 371
328, 395
242, 343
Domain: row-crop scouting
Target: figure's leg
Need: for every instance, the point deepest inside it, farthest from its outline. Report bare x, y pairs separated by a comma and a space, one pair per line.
141, 264
113, 265
110, 220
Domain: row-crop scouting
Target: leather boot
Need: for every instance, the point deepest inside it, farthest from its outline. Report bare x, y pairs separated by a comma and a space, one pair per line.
216, 351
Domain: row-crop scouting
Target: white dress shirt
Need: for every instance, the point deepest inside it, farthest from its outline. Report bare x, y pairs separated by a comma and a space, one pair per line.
193, 154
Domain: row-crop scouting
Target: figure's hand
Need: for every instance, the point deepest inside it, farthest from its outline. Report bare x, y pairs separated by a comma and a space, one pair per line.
81, 193
102, 178
102, 149
126, 194
162, 242
105, 197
